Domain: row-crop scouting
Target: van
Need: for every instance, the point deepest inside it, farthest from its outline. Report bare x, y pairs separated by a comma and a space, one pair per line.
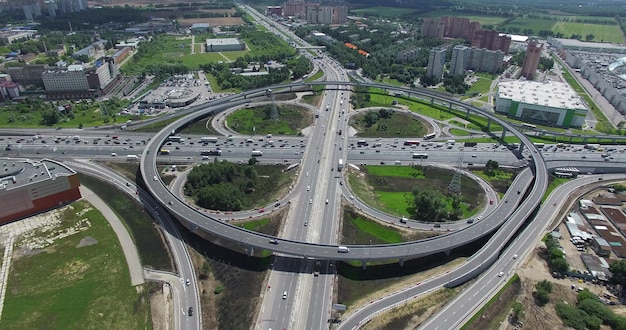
285, 295
403, 220
113, 154
343, 249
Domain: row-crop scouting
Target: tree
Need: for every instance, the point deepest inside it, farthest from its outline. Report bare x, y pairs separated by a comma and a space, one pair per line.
517, 311
429, 205
370, 118
618, 269
589, 37
50, 117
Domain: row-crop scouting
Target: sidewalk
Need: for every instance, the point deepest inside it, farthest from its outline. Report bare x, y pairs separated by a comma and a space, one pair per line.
128, 245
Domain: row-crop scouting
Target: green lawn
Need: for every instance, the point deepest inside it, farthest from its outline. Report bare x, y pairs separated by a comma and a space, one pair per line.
382, 11
480, 86
534, 24
398, 125
383, 233
68, 287
291, 120
397, 171
482, 19
459, 132
602, 33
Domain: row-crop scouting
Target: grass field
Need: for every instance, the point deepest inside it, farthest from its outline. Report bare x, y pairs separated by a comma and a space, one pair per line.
143, 230
481, 85
382, 11
398, 125
482, 19
291, 120
602, 33
202, 126
68, 287
389, 188
534, 24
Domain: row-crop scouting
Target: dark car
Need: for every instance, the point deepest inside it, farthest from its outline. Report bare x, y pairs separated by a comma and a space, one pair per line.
190, 311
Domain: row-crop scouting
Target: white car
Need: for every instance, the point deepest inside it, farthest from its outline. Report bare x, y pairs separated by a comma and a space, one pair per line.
308, 188
310, 201
500, 274
515, 256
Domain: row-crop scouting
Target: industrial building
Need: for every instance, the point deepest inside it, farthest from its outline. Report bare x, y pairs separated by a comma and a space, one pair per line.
549, 103
31, 187
600, 63
78, 82
225, 45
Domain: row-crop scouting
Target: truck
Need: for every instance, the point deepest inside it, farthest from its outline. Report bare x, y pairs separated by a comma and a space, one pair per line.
257, 153
207, 139
340, 164
132, 157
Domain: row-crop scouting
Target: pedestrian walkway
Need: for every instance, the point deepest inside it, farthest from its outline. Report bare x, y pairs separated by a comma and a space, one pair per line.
126, 242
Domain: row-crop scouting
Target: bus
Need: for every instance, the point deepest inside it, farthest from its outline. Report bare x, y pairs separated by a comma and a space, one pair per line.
420, 156
411, 143
174, 138
538, 145
531, 126
207, 139
211, 152
164, 151
429, 136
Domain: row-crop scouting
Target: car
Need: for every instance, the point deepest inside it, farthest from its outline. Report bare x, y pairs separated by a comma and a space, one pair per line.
190, 311
274, 241
277, 204
515, 256
437, 225
473, 155
155, 178
310, 201
285, 295
187, 282
491, 202
306, 223
261, 210
308, 188
500, 274
471, 220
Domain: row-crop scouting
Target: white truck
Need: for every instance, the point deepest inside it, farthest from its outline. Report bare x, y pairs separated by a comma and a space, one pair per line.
257, 153
340, 164
132, 157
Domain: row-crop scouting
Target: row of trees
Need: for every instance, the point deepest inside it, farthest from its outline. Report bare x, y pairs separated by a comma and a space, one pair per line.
221, 185
588, 313
555, 257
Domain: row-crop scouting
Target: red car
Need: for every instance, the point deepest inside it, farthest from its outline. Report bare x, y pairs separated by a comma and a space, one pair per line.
491, 201
261, 210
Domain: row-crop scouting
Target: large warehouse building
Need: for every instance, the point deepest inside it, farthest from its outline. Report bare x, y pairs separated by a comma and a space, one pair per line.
547, 103
224, 45
30, 187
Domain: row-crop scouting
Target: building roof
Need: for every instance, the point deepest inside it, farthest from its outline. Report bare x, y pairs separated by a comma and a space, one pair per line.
200, 26
515, 37
223, 41
574, 43
16, 173
552, 94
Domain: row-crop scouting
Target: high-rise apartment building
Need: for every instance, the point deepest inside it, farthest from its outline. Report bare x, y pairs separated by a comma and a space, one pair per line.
433, 28
531, 60
460, 59
436, 62
294, 8
490, 39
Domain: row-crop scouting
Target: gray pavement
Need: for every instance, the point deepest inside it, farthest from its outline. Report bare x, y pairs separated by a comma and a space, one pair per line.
126, 242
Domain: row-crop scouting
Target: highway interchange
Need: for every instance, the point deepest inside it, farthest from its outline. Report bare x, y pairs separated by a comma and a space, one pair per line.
312, 225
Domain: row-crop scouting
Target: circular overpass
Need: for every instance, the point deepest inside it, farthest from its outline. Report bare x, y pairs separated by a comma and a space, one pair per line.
197, 221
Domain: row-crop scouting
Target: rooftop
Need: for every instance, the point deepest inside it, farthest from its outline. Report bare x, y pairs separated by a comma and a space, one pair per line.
223, 41
551, 94
16, 172
574, 43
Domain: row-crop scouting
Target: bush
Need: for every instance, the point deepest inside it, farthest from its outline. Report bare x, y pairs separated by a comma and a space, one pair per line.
218, 289
571, 316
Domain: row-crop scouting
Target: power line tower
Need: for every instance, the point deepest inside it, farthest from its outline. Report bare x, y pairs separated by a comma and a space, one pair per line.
455, 184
